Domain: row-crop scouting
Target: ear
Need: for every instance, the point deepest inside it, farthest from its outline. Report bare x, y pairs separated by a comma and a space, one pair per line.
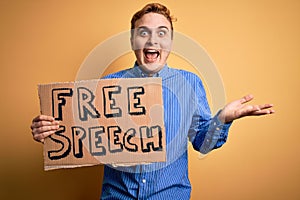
131, 43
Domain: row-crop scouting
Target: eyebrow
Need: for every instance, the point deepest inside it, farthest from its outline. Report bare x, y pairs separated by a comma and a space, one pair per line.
145, 27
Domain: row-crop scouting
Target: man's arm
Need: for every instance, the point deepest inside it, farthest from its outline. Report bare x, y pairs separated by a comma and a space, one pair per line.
218, 129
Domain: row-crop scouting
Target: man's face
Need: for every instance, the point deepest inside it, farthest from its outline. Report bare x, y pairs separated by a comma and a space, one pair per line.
151, 42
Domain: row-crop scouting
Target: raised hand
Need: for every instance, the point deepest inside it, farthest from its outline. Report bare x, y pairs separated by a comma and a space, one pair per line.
238, 109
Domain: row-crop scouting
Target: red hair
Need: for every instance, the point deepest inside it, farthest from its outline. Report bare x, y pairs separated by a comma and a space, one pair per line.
152, 8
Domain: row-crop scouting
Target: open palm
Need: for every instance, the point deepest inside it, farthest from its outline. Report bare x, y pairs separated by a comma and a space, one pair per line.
238, 109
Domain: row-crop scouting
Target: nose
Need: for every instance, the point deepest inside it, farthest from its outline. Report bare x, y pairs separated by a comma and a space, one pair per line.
153, 40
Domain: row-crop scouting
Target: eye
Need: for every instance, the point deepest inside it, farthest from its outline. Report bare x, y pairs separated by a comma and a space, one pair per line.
161, 33
143, 33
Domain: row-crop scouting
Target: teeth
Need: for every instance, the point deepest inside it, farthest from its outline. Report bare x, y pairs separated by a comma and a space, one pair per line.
151, 54
151, 51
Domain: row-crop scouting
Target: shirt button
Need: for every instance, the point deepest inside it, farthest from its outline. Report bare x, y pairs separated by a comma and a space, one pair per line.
144, 180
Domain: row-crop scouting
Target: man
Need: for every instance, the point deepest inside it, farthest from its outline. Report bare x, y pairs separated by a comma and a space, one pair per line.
186, 115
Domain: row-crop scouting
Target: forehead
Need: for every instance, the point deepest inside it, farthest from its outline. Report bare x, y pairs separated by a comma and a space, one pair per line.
153, 20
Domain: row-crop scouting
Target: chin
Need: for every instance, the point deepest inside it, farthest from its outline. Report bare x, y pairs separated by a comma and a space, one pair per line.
152, 67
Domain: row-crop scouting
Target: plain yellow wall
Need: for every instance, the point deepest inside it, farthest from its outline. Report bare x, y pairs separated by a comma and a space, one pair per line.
254, 43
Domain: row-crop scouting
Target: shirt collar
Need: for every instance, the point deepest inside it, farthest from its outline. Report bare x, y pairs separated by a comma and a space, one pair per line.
139, 73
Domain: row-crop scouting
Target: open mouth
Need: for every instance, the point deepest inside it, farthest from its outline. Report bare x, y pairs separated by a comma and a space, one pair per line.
151, 55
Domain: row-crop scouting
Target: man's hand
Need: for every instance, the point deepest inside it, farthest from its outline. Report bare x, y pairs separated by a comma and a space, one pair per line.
42, 126
238, 109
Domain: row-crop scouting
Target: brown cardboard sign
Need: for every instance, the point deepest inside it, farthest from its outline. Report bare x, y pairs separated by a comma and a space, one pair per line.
105, 121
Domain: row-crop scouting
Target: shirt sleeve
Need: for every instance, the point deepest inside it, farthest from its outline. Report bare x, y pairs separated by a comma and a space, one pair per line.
216, 135
206, 132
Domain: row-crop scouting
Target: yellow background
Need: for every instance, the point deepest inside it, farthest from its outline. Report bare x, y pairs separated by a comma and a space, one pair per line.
254, 43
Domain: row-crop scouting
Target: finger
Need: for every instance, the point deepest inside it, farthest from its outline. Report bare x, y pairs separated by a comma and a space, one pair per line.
264, 112
41, 133
41, 137
246, 98
43, 118
261, 112
264, 109
42, 129
247, 110
39, 124
265, 106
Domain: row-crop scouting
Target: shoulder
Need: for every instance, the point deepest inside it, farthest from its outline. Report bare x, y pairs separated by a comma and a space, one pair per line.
192, 79
189, 76
119, 74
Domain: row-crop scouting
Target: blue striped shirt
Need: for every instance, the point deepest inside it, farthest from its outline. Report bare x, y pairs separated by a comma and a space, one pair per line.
187, 117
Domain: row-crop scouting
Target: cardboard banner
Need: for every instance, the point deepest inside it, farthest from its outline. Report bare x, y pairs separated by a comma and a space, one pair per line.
105, 121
